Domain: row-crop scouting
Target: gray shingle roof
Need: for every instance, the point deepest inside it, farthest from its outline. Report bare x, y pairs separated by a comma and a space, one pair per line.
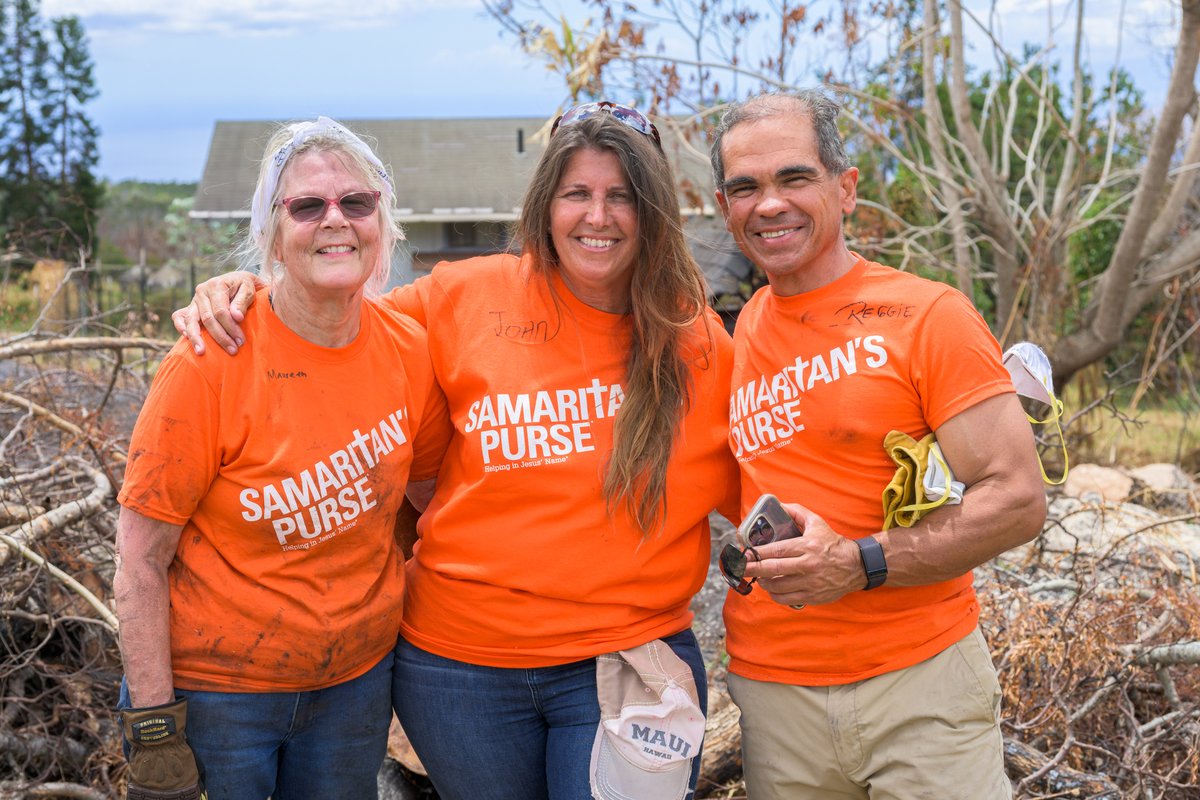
443, 168
473, 166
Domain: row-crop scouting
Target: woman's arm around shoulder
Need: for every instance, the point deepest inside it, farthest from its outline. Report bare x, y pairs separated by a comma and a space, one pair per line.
219, 305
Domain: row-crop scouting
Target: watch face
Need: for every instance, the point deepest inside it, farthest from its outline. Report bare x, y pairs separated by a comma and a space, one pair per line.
874, 564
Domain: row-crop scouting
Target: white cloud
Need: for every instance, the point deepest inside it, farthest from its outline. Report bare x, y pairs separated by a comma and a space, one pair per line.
237, 16
1145, 22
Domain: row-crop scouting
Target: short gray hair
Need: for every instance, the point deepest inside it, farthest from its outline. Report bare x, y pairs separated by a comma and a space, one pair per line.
815, 104
286, 144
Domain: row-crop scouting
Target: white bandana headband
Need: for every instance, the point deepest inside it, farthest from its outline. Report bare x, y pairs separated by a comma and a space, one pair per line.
260, 208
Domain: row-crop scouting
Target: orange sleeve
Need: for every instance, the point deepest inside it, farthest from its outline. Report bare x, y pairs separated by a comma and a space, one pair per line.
174, 450
956, 361
727, 505
433, 435
410, 300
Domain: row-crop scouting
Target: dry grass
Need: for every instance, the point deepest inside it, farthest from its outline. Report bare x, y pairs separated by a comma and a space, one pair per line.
1148, 435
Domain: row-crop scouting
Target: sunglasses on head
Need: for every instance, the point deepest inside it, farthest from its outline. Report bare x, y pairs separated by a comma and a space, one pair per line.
629, 117
354, 205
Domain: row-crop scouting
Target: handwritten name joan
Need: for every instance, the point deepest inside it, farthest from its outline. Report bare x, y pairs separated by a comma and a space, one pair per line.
520, 331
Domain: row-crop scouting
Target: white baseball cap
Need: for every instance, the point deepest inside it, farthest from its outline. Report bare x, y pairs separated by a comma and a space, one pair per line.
651, 727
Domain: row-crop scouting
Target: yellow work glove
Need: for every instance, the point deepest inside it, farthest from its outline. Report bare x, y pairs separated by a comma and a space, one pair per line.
904, 498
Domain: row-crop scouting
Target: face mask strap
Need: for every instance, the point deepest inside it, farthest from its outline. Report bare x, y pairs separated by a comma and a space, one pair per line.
1056, 412
1030, 361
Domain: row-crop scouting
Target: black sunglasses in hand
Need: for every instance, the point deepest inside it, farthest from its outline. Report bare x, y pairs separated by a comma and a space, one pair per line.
733, 563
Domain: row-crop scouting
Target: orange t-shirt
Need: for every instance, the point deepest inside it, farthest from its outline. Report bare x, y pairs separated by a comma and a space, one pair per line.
519, 564
286, 465
819, 379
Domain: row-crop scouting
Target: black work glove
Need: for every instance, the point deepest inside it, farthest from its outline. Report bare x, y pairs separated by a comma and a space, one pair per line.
161, 765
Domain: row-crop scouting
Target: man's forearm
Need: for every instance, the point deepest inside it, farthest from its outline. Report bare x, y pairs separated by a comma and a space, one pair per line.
953, 540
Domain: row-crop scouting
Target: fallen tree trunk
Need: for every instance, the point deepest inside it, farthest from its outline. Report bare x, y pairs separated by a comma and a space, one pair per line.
60, 517
19, 748
31, 347
1023, 761
10, 790
721, 762
1165, 654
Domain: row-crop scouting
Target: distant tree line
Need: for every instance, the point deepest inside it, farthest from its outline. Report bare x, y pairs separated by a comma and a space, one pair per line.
49, 194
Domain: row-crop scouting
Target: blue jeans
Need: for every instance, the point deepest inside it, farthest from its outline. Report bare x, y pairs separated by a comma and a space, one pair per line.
497, 733
326, 743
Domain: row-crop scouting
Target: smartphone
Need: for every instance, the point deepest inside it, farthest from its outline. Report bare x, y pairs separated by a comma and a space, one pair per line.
766, 522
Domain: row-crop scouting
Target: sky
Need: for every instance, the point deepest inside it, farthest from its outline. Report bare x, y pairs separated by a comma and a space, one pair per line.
167, 70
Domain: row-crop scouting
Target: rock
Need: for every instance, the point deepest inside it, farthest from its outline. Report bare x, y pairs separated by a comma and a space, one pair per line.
1163, 477
1090, 482
402, 776
399, 749
1167, 488
1116, 531
396, 782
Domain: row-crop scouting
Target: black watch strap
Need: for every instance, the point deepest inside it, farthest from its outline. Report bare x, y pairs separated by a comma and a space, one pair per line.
873, 561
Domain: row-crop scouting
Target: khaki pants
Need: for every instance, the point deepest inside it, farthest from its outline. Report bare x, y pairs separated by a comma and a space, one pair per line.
928, 731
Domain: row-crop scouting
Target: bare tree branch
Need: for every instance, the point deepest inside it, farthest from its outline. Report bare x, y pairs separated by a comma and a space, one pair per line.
58, 422
61, 516
1165, 655
67, 344
1111, 304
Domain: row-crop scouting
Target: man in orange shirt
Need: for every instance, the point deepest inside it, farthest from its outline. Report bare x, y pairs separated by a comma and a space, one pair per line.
860, 670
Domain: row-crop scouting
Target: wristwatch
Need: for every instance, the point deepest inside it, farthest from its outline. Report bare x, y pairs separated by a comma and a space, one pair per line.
873, 561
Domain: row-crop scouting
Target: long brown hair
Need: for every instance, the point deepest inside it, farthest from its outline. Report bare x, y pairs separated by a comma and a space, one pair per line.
667, 296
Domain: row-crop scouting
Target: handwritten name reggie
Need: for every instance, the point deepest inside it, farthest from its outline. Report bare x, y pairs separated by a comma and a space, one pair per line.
859, 311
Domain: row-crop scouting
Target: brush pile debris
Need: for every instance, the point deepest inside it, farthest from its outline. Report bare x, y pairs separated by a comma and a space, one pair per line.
1095, 626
